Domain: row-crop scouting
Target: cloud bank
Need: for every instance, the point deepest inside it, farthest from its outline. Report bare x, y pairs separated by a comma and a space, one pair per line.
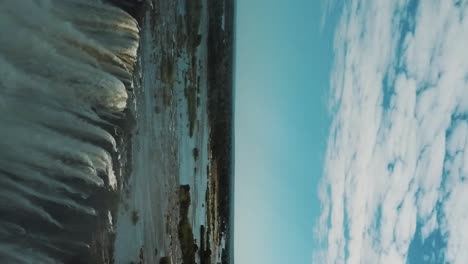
395, 186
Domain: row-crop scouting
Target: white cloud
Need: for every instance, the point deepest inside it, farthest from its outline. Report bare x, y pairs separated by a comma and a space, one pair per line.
392, 166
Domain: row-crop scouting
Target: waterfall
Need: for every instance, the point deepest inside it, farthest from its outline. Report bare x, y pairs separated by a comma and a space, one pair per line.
65, 70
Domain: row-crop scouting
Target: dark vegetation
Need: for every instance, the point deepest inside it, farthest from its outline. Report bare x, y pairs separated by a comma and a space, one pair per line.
192, 41
135, 217
165, 260
168, 69
205, 249
185, 232
191, 91
168, 75
192, 22
220, 106
133, 7
195, 153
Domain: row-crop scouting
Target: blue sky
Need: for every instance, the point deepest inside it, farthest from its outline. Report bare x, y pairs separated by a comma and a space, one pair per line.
283, 61
395, 186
